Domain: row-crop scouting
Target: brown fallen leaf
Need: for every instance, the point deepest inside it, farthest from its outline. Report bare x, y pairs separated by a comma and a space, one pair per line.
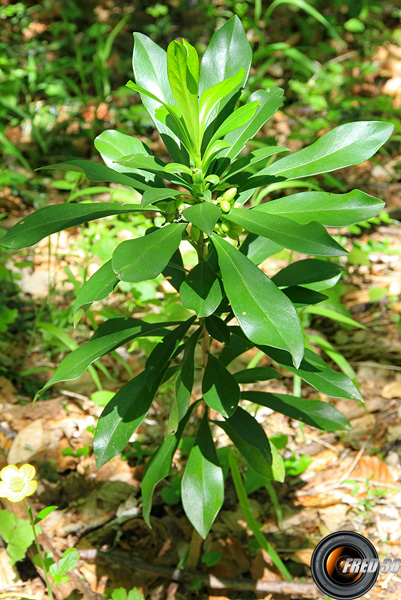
262, 567
392, 390
372, 467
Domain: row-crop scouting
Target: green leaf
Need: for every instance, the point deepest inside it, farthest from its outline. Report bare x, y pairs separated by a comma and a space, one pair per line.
333, 210
314, 371
151, 164
43, 513
152, 196
146, 257
253, 159
96, 172
201, 290
159, 466
108, 337
306, 239
51, 219
262, 310
220, 390
335, 316
218, 329
310, 10
227, 52
258, 248
312, 412
121, 417
17, 534
183, 75
175, 272
161, 355
98, 287
256, 374
301, 296
343, 146
250, 439
314, 273
68, 562
184, 383
212, 97
202, 489
149, 62
238, 118
113, 145
270, 100
204, 215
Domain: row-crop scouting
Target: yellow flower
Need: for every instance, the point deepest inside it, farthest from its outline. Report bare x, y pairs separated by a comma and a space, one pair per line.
17, 483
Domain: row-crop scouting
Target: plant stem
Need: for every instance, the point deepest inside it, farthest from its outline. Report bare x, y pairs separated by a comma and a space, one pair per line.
250, 519
39, 549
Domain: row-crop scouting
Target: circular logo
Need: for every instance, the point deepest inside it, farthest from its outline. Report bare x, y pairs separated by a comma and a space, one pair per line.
345, 565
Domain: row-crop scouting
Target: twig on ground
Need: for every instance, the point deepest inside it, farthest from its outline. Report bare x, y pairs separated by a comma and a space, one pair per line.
286, 588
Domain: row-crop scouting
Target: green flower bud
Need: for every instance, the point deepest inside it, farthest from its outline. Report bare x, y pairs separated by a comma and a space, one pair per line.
180, 205
225, 228
197, 176
232, 234
237, 228
225, 206
230, 194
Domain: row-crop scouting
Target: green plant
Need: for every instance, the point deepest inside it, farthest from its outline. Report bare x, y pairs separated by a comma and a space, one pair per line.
16, 484
122, 594
194, 109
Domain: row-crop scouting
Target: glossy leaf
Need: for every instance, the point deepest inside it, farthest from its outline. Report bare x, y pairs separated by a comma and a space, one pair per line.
211, 97
312, 412
314, 371
227, 52
112, 334
96, 172
262, 310
253, 160
204, 215
51, 219
201, 290
152, 196
151, 164
185, 380
159, 466
306, 239
113, 145
218, 329
121, 417
301, 296
183, 75
254, 445
270, 101
314, 273
333, 210
149, 62
162, 353
238, 118
220, 390
146, 257
98, 287
343, 146
256, 374
257, 248
202, 489
175, 272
